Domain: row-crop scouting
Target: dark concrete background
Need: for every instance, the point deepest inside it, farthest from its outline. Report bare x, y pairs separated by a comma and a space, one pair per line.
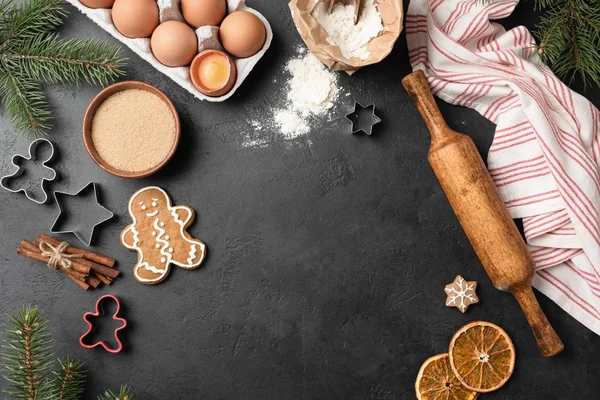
327, 258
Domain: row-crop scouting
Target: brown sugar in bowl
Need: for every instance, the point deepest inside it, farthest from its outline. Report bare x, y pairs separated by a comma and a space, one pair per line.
88, 120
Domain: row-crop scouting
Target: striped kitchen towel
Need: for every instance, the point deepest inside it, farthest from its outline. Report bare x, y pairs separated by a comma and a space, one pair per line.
546, 151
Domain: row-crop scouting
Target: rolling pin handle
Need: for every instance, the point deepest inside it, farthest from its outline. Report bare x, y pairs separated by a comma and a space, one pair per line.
418, 88
547, 339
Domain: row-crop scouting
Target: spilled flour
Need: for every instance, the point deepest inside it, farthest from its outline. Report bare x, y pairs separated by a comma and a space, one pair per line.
312, 90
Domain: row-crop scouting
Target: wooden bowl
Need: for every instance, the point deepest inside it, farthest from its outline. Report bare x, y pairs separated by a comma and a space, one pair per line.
91, 112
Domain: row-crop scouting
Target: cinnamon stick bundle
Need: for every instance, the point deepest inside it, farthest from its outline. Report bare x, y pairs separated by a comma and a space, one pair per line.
77, 266
88, 255
77, 277
103, 268
87, 269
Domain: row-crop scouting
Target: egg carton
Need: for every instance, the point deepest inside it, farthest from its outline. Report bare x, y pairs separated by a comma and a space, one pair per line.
208, 38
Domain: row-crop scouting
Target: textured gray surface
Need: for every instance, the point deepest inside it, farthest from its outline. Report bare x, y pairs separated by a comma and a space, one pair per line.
326, 258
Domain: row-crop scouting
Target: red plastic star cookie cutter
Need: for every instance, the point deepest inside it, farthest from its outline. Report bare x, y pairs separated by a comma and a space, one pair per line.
115, 317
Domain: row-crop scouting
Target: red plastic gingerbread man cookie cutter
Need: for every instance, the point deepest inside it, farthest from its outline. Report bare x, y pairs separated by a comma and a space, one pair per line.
91, 325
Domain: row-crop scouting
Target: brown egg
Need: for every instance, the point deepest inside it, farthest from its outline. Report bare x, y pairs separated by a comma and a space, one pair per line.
242, 34
174, 44
135, 18
213, 73
97, 3
203, 12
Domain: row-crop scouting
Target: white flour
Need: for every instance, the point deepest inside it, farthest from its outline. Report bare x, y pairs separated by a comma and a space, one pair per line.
312, 89
311, 94
341, 31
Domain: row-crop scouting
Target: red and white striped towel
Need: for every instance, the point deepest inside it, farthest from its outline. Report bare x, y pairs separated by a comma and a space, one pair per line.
546, 151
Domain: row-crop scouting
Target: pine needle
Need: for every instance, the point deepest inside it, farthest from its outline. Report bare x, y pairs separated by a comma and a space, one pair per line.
27, 355
124, 394
569, 38
31, 54
49, 59
69, 382
25, 102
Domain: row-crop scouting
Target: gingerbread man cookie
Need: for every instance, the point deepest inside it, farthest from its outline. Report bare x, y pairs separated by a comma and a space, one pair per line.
159, 235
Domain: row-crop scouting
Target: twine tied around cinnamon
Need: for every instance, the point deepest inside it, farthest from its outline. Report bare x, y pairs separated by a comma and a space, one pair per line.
57, 256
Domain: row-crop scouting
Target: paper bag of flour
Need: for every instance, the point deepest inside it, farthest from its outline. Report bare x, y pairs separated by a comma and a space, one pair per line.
316, 38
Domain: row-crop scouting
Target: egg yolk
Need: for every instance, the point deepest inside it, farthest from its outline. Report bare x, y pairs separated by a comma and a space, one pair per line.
214, 72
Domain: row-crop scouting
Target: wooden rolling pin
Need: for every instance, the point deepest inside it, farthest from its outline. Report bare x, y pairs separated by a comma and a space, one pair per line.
491, 230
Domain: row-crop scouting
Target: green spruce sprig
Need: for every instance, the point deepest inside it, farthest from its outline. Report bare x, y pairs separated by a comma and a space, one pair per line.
124, 394
69, 381
28, 365
568, 36
27, 355
31, 54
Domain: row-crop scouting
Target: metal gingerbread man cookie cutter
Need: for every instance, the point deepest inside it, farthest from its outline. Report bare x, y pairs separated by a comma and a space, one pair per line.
21, 170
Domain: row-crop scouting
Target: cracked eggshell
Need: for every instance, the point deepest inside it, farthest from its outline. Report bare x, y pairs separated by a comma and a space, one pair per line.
195, 74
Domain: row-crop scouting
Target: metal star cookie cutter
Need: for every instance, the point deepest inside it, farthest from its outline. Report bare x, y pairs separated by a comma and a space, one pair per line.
21, 170
88, 227
91, 325
355, 118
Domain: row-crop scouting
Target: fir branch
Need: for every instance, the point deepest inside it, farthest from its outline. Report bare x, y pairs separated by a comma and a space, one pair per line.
30, 55
69, 382
124, 394
49, 59
4, 10
569, 38
30, 19
25, 102
27, 355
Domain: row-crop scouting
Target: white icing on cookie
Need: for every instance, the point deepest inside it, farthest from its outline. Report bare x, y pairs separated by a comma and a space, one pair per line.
150, 268
176, 217
192, 254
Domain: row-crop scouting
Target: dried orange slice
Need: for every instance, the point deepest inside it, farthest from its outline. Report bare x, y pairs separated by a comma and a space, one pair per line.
436, 381
482, 356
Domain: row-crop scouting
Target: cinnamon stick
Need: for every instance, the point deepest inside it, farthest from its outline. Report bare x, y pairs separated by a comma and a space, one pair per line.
88, 255
76, 265
93, 280
32, 254
104, 279
75, 276
79, 283
101, 269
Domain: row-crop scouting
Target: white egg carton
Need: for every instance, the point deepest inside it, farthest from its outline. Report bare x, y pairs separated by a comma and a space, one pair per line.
208, 38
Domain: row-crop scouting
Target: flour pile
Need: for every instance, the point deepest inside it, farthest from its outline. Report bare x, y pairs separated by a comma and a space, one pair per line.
341, 31
312, 90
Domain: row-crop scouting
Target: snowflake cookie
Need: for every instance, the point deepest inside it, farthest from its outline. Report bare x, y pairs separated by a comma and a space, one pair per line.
159, 235
461, 293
